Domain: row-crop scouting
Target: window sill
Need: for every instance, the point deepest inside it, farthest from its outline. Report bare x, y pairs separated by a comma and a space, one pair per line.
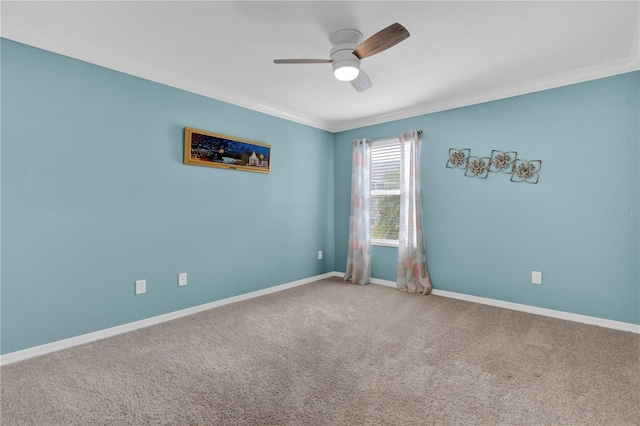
387, 243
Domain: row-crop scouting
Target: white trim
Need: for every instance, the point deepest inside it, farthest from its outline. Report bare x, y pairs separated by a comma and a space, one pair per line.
610, 69
558, 80
385, 191
386, 243
629, 64
385, 283
393, 140
634, 53
601, 322
125, 328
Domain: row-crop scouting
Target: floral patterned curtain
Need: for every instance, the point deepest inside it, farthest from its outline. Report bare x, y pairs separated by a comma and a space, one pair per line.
358, 269
412, 273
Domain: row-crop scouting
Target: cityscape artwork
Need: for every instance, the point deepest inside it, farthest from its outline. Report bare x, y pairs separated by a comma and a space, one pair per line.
208, 149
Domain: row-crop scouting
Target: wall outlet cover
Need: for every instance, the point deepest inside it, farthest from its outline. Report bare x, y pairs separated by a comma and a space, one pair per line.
182, 279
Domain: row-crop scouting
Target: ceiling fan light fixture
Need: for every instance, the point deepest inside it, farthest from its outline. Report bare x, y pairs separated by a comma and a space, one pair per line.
346, 66
346, 71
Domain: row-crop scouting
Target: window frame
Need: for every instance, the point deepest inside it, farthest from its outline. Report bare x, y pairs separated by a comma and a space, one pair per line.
383, 143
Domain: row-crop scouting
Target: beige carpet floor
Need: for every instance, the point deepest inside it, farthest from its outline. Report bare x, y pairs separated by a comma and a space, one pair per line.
330, 353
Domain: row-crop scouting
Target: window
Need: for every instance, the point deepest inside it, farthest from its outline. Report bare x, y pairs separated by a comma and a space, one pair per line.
385, 192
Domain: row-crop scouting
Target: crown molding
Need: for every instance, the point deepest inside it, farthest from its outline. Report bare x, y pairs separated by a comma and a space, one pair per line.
630, 64
160, 76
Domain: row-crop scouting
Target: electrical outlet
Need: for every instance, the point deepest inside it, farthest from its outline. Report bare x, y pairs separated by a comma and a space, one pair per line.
182, 279
319, 254
536, 277
141, 286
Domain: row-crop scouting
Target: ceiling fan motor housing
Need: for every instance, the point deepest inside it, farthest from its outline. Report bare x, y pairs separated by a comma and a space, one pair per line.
344, 57
345, 42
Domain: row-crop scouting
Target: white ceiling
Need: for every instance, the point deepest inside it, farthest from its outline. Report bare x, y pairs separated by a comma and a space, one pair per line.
459, 53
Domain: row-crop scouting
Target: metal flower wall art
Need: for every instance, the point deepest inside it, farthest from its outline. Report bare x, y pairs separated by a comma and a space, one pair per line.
526, 171
478, 167
502, 162
458, 158
506, 162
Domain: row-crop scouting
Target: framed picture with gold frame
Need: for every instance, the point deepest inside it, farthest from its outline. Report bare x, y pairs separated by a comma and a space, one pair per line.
202, 148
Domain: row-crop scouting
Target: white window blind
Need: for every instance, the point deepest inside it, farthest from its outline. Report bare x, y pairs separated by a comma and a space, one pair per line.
385, 192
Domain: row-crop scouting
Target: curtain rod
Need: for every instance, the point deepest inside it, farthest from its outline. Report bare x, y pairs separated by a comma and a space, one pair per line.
389, 137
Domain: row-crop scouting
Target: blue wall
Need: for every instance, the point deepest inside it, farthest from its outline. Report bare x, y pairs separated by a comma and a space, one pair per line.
95, 196
578, 225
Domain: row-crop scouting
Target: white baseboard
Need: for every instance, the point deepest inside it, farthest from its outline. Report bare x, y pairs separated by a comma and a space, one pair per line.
601, 322
113, 331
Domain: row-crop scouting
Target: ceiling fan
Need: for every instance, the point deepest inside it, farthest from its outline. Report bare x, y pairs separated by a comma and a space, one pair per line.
347, 51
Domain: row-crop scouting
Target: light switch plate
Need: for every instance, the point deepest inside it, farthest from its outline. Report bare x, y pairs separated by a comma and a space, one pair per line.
319, 254
536, 277
141, 286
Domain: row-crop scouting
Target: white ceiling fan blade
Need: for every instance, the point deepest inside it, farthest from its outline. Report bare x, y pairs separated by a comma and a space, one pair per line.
362, 82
